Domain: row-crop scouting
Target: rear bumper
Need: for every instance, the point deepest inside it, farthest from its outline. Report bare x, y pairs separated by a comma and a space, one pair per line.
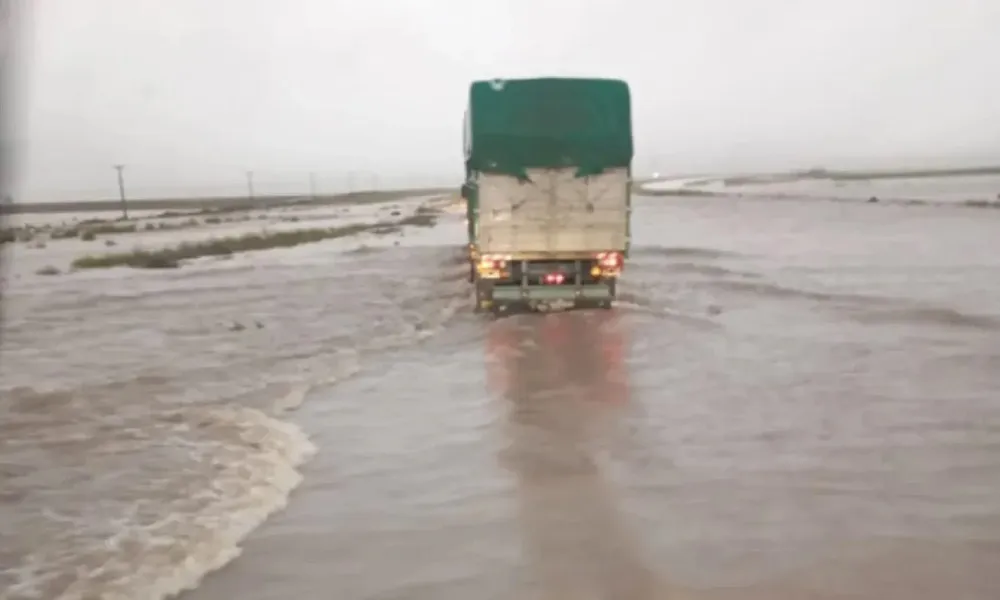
528, 293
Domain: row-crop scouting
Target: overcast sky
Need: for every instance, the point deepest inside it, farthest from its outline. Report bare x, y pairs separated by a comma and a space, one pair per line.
192, 93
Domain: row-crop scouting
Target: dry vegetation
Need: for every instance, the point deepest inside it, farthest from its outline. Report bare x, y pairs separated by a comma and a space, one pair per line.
47, 270
90, 230
172, 257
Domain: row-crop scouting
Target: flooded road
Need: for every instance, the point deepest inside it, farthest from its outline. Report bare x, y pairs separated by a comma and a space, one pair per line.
791, 401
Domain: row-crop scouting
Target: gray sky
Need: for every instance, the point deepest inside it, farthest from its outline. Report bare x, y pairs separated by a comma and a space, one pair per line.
190, 93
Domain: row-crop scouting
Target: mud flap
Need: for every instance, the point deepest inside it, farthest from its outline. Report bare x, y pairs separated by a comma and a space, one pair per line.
602, 303
612, 294
484, 297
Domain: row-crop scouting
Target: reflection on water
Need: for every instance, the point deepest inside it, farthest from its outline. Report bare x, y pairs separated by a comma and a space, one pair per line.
563, 378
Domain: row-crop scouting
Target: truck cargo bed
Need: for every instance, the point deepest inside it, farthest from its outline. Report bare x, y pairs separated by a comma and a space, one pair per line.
554, 213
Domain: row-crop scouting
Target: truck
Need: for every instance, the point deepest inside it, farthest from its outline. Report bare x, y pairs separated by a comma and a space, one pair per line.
547, 189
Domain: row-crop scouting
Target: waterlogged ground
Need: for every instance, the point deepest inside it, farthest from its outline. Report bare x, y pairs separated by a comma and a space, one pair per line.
961, 190
153, 231
793, 400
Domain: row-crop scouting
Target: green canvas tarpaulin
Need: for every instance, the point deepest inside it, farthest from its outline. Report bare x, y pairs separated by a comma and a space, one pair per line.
516, 124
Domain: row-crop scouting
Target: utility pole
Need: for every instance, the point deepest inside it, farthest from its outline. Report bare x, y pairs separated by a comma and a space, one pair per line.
250, 185
121, 190
312, 186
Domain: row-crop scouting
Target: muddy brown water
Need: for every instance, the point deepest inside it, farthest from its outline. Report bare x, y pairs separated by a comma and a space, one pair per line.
791, 401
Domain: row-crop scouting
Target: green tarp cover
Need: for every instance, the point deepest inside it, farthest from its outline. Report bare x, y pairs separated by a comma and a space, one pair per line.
516, 124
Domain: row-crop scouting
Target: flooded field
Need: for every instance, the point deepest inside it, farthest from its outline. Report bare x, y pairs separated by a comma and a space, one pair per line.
162, 229
960, 190
792, 400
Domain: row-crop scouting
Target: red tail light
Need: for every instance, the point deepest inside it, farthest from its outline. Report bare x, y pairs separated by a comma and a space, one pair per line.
610, 260
493, 261
554, 278
491, 266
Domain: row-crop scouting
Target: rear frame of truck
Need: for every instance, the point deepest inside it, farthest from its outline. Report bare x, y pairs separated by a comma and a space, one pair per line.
538, 281
556, 228
575, 258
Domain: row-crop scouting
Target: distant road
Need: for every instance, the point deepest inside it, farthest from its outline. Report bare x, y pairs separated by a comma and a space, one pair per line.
218, 202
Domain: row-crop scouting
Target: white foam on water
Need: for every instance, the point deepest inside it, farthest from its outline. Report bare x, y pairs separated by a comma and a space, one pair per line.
132, 472
293, 399
154, 531
298, 393
971, 191
670, 185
